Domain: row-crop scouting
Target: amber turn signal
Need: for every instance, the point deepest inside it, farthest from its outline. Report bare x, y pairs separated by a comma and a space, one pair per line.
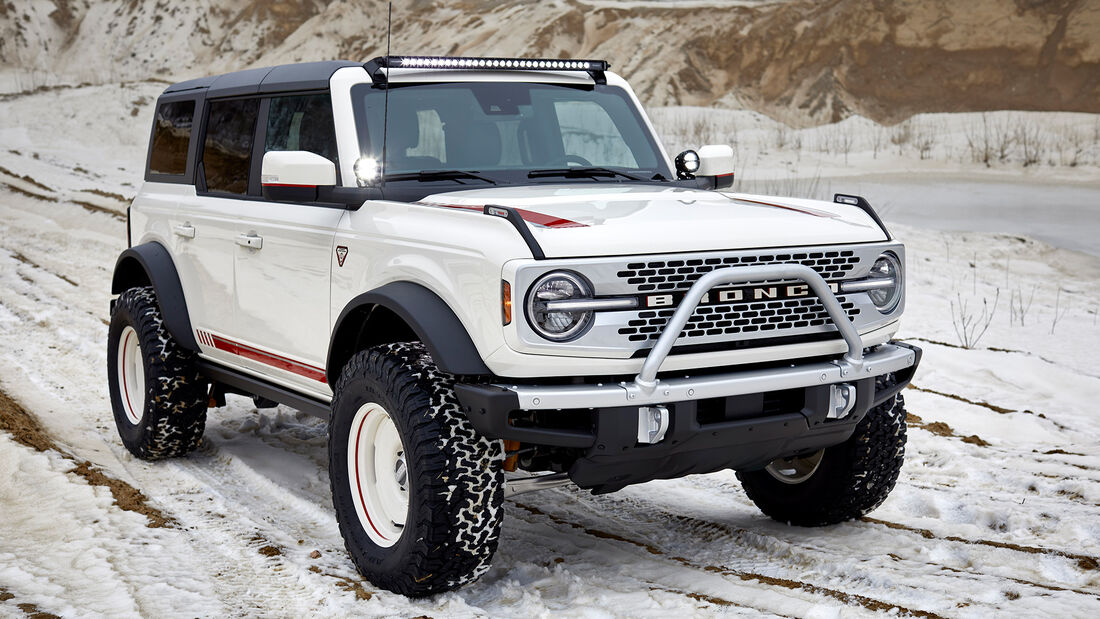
506, 302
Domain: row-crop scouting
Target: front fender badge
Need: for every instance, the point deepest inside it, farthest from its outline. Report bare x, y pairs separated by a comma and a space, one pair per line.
341, 254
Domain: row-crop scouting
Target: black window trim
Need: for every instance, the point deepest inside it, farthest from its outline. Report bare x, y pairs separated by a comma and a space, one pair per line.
188, 176
259, 141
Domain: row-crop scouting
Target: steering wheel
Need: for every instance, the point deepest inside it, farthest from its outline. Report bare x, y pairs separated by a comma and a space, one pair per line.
577, 159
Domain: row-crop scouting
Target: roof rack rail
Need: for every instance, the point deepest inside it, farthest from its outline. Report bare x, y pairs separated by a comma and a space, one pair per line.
595, 68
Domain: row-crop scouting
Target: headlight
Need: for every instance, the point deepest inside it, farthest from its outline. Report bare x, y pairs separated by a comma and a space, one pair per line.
886, 272
558, 325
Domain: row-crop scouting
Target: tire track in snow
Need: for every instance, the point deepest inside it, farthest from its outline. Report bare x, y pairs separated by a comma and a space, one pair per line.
910, 569
1084, 562
844, 597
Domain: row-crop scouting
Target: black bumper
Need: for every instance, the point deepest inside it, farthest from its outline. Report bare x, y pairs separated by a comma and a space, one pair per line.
740, 432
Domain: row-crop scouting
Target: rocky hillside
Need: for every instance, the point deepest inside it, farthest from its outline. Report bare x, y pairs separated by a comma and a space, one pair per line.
803, 61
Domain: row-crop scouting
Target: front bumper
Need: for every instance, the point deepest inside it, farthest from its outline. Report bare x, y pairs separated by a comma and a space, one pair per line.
714, 421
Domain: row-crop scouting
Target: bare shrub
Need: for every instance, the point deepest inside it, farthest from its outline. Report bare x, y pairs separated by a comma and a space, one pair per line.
878, 140
781, 135
924, 139
844, 142
968, 327
1018, 308
1032, 142
1058, 313
1071, 146
990, 141
901, 135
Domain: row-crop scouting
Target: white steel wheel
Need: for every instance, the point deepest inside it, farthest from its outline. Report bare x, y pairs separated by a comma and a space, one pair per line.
795, 470
378, 475
131, 375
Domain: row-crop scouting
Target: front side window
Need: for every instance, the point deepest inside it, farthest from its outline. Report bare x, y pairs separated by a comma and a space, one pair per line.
227, 152
171, 137
506, 131
301, 122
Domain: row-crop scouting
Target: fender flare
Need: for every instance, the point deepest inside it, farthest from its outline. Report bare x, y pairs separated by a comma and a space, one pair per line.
150, 263
428, 316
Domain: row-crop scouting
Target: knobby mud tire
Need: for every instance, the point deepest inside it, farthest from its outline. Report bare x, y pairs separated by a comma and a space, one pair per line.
455, 481
175, 398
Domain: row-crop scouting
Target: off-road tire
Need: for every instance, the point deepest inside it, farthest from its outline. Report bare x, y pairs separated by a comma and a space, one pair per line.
175, 400
455, 482
852, 479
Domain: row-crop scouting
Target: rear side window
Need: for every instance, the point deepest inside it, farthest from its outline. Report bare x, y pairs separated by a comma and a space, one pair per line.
302, 122
227, 152
171, 136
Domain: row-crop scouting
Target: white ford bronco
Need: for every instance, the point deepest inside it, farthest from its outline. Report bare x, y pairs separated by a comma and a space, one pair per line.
490, 278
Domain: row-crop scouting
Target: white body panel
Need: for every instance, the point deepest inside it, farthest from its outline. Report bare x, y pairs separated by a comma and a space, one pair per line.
204, 261
282, 289
282, 295
623, 219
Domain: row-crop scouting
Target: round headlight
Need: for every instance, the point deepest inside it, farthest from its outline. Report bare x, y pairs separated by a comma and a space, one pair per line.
558, 324
887, 271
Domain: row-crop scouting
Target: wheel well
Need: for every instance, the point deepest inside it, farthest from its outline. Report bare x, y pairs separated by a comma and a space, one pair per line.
129, 273
366, 326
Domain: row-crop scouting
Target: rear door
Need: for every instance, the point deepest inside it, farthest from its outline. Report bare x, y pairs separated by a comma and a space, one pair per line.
283, 270
203, 226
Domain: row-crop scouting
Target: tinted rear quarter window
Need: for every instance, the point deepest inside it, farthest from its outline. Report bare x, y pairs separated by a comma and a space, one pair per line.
227, 152
301, 122
171, 136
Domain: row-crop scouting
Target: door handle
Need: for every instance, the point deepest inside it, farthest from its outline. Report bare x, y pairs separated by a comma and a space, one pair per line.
252, 241
187, 231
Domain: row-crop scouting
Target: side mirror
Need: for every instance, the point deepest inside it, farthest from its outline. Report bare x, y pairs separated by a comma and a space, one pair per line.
716, 161
295, 175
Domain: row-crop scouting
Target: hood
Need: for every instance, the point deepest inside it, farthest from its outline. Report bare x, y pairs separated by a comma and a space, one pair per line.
592, 220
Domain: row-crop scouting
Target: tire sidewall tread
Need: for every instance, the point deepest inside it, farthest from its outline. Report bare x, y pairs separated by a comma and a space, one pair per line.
456, 484
175, 401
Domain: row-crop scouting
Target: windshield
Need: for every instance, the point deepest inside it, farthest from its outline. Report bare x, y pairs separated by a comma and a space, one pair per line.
507, 132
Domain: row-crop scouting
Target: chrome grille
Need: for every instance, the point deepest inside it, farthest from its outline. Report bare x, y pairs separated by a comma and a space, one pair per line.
676, 275
738, 318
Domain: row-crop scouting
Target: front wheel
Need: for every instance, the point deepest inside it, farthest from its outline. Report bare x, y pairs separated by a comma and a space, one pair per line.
417, 491
839, 483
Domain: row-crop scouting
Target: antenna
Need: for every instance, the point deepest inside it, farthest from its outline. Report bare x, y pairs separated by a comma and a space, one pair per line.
386, 105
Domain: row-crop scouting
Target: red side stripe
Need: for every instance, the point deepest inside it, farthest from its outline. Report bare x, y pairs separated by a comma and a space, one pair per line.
271, 359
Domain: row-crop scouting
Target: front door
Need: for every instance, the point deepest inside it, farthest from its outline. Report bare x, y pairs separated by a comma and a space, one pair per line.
283, 264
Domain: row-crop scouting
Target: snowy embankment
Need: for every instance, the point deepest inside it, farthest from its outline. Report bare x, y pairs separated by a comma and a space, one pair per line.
996, 509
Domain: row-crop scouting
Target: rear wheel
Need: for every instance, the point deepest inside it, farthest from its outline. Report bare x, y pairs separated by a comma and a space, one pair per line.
417, 491
839, 483
158, 397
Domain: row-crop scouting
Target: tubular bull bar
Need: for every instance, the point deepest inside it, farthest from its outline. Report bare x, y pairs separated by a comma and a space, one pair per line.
490, 406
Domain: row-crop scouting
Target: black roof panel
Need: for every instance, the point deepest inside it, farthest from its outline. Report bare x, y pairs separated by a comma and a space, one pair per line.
303, 76
281, 78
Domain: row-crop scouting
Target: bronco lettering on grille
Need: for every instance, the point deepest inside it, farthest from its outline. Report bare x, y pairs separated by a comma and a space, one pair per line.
738, 295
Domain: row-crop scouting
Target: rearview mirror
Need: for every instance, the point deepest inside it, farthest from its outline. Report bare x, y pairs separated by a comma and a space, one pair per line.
295, 175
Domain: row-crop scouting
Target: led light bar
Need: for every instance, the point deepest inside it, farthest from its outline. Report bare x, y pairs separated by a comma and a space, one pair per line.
594, 67
497, 64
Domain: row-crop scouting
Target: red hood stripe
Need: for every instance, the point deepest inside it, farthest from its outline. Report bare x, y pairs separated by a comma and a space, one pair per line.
539, 219
815, 213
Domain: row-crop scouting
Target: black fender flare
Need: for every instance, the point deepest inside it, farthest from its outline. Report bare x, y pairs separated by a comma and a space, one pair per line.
151, 264
429, 317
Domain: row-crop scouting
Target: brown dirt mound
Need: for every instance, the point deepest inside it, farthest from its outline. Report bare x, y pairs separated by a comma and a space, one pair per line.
26, 430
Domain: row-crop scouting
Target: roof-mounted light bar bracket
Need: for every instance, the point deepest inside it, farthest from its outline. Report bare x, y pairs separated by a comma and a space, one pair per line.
595, 68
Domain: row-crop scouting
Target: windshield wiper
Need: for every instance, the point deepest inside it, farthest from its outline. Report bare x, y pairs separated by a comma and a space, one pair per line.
580, 173
438, 175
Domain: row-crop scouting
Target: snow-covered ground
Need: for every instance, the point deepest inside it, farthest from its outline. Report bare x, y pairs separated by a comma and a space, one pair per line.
997, 510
